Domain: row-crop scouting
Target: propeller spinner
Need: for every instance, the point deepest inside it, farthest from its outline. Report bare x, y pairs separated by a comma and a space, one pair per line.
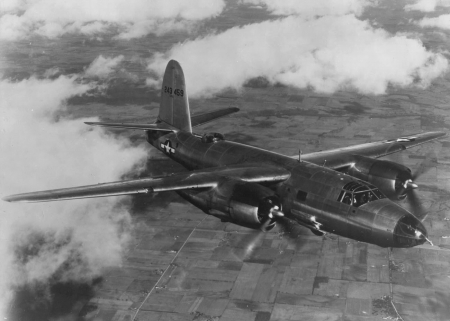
271, 217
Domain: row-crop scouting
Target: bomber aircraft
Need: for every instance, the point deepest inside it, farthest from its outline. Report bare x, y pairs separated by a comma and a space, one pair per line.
345, 191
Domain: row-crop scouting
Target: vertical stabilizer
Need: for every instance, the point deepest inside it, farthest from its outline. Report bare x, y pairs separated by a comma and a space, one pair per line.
174, 107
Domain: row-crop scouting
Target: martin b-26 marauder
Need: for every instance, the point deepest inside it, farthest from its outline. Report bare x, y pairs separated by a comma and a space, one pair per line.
346, 191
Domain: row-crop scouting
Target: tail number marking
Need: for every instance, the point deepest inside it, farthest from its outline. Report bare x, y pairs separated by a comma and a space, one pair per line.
177, 92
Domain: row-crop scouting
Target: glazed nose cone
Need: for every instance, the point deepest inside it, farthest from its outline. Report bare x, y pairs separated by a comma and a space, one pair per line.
409, 232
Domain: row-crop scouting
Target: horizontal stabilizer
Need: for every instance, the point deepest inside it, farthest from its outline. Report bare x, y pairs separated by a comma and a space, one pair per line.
201, 119
190, 180
196, 120
158, 127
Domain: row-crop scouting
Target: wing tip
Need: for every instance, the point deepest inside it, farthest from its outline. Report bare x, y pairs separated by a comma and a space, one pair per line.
12, 199
437, 135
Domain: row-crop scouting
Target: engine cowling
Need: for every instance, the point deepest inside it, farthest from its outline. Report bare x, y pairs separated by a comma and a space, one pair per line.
391, 178
246, 204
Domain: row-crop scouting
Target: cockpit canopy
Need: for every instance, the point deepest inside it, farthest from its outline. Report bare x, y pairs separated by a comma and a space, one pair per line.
357, 194
212, 137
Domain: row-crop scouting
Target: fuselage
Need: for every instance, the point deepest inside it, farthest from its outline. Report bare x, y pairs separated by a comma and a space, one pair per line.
314, 196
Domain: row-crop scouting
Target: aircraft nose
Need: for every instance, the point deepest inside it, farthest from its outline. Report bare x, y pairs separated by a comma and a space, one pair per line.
409, 232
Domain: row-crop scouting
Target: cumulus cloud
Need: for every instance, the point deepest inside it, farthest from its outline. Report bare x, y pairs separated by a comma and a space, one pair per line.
442, 22
102, 67
64, 241
10, 5
53, 18
328, 54
422, 5
427, 5
142, 28
311, 8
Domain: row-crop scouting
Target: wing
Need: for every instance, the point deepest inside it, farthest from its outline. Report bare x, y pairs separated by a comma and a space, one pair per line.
191, 180
341, 157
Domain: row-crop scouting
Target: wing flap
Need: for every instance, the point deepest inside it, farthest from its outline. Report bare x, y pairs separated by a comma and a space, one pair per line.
341, 157
190, 180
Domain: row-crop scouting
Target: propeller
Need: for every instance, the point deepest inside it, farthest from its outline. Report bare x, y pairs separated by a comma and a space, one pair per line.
291, 228
410, 187
273, 215
405, 181
245, 246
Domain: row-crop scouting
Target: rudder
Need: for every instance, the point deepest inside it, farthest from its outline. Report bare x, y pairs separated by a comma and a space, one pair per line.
174, 106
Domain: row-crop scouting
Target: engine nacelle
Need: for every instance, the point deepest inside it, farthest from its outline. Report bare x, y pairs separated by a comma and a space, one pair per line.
242, 203
389, 177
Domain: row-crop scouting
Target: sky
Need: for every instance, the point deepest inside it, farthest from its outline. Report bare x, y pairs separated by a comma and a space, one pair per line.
325, 46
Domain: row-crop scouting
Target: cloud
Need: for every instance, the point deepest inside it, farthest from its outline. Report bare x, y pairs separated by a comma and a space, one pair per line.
54, 18
102, 67
10, 5
153, 83
62, 241
12, 27
328, 54
311, 8
142, 28
427, 5
442, 22
422, 5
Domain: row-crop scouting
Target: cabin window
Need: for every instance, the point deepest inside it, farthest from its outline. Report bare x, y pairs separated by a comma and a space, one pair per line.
301, 196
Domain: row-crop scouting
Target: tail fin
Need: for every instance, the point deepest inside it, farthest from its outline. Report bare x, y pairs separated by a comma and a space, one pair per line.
174, 106
174, 112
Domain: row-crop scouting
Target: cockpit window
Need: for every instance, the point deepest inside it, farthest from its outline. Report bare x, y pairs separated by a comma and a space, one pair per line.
357, 194
212, 137
378, 194
346, 198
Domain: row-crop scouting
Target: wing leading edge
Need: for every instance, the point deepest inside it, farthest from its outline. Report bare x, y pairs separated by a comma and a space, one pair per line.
190, 180
341, 157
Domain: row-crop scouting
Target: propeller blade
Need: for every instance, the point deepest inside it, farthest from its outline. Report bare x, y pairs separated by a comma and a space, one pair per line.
244, 245
415, 204
249, 243
425, 165
290, 228
265, 224
401, 190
